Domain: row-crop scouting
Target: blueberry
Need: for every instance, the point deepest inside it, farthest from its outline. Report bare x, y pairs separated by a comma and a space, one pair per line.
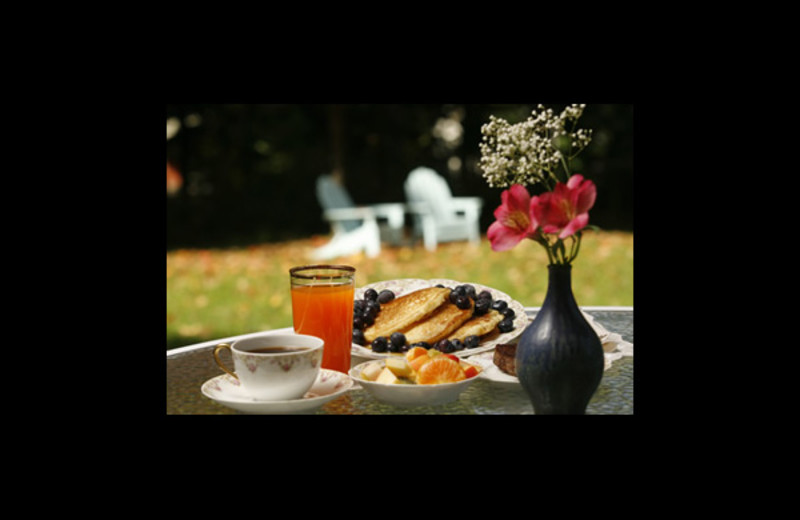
472, 341
369, 319
385, 296
469, 290
484, 295
358, 322
499, 305
359, 306
372, 310
508, 313
371, 295
423, 344
398, 339
481, 307
455, 293
507, 325
358, 337
463, 302
457, 344
380, 344
445, 346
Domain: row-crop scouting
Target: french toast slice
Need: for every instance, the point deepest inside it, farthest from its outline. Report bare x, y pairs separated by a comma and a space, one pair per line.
438, 325
404, 311
477, 326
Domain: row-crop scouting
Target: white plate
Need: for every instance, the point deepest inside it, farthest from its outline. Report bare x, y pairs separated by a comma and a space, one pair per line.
614, 348
227, 391
490, 370
408, 285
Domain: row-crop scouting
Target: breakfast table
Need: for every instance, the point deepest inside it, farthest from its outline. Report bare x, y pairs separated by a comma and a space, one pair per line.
189, 368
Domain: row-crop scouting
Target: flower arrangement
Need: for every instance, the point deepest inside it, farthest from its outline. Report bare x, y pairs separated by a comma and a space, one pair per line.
530, 153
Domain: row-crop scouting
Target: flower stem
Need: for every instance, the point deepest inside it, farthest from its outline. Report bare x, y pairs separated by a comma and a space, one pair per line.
566, 168
549, 253
572, 248
576, 246
546, 181
543, 241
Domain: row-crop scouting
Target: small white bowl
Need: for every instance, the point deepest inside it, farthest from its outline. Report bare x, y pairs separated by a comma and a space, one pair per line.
411, 395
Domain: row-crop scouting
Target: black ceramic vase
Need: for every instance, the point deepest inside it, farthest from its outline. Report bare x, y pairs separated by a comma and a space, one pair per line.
559, 356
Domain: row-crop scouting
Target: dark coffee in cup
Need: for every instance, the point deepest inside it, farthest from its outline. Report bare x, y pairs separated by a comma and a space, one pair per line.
276, 350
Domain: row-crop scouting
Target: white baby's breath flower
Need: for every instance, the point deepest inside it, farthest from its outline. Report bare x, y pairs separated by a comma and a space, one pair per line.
526, 153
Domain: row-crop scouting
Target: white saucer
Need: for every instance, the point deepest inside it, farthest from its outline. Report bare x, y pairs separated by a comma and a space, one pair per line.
227, 391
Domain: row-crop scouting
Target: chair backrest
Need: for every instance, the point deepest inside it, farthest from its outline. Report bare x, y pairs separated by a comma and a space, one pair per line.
332, 195
425, 185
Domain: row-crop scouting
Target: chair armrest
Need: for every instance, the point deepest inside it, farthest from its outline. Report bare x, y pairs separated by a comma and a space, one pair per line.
470, 206
339, 214
393, 212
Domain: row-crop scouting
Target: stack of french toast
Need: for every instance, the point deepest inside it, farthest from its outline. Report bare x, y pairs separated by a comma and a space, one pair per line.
434, 317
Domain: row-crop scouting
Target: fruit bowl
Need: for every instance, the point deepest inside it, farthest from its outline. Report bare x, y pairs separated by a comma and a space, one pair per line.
406, 395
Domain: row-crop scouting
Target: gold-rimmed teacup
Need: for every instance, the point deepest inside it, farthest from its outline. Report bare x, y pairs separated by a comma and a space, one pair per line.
274, 367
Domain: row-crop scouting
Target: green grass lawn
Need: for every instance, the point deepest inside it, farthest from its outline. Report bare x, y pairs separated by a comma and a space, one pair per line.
222, 292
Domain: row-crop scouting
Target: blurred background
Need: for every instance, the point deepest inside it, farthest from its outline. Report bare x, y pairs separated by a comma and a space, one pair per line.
242, 205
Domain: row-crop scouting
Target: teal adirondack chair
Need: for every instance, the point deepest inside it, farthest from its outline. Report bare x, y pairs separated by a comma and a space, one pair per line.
354, 228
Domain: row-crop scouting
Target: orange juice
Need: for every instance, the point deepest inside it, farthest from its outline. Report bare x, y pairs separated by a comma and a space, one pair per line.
322, 306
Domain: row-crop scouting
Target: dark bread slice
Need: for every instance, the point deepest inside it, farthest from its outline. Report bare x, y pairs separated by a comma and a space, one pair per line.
504, 358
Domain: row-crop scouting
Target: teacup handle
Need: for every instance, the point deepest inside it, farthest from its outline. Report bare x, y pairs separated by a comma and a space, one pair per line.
219, 361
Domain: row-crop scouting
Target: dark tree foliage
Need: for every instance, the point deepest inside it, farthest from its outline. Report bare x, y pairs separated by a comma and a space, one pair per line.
249, 171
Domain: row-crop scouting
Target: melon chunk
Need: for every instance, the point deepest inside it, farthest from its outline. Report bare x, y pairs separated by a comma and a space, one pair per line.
371, 371
387, 377
399, 367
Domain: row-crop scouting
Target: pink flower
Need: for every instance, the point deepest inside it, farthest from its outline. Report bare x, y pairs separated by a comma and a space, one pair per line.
513, 219
564, 210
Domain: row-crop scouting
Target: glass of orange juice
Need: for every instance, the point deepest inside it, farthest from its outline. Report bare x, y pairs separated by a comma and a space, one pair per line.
322, 306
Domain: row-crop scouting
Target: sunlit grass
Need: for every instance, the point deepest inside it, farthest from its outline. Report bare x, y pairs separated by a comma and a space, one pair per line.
223, 292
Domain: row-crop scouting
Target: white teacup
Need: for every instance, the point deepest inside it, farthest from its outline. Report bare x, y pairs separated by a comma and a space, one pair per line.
274, 367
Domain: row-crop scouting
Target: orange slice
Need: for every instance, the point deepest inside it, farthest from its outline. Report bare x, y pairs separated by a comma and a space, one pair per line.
419, 362
440, 370
416, 357
415, 352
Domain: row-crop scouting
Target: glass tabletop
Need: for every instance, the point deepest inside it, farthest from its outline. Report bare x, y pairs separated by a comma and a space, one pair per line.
189, 367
